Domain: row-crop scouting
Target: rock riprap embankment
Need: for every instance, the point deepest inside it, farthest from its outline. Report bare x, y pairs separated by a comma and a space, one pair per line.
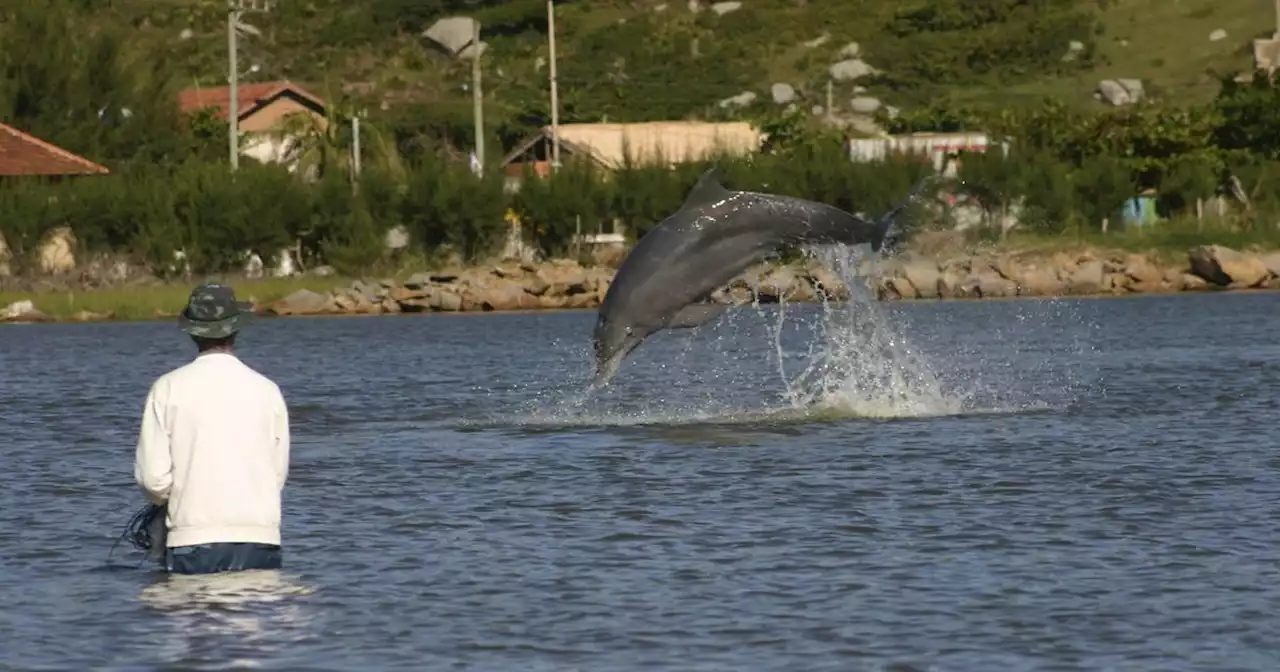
563, 284
554, 285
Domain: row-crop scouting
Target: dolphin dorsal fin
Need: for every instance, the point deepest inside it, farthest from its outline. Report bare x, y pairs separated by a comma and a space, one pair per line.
707, 190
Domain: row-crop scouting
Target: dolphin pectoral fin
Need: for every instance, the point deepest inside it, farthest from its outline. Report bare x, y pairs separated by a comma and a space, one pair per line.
696, 314
707, 190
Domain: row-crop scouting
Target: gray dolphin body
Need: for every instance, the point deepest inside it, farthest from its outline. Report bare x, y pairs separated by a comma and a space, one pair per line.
714, 236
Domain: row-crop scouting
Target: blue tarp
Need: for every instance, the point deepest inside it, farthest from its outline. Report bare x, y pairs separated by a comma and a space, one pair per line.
1140, 211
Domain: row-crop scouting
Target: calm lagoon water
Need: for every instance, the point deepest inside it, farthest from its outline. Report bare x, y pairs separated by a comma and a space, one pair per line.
999, 485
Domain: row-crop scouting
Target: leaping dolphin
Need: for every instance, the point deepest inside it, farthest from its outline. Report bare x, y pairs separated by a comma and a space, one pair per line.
714, 236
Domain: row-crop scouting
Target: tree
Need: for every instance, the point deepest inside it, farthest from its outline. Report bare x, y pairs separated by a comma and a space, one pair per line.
1103, 183
1190, 180
1250, 116
321, 145
995, 180
80, 88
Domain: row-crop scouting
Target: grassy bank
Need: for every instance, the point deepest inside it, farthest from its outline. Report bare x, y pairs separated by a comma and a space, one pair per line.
146, 302
1165, 242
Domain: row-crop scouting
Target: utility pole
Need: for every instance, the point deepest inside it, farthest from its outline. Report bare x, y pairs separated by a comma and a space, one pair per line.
233, 17
475, 93
555, 93
355, 144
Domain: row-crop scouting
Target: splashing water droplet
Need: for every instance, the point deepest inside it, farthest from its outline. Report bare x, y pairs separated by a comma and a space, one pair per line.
863, 365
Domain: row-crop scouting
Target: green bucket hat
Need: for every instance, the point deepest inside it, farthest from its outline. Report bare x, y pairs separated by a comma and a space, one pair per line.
213, 312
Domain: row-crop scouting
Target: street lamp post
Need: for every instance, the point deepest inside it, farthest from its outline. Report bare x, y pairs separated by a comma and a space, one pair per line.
235, 8
555, 93
233, 17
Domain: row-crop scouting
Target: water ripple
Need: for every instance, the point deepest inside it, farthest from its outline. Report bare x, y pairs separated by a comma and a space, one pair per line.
1097, 492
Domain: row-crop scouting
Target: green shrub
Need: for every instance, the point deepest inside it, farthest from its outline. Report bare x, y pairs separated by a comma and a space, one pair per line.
1068, 171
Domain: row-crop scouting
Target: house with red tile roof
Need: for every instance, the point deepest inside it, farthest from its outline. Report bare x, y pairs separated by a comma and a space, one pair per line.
22, 154
262, 108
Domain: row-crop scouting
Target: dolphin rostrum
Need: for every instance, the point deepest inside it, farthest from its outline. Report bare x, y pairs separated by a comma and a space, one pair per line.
714, 236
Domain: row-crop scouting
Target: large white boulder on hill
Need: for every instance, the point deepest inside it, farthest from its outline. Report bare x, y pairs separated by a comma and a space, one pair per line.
1120, 92
453, 33
782, 93
741, 100
850, 69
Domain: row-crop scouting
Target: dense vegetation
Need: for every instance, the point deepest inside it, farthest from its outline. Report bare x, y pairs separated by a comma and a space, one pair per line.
76, 77
655, 59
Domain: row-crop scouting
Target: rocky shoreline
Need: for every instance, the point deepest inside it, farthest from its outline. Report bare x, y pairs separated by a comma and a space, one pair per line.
1207, 267
562, 284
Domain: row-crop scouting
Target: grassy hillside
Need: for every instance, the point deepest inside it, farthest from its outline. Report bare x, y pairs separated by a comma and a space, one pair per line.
650, 59
1166, 43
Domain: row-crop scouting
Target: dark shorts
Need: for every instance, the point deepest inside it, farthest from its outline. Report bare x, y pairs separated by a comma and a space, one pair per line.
221, 557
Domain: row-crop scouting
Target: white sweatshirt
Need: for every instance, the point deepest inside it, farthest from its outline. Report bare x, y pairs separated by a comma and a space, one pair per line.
214, 444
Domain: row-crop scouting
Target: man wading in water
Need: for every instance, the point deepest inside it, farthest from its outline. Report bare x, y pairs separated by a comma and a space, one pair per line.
214, 448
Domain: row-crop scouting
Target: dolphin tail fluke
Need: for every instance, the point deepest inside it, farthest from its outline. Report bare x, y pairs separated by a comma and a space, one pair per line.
889, 230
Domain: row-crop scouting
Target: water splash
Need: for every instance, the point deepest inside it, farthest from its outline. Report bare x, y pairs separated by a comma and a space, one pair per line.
831, 361
861, 362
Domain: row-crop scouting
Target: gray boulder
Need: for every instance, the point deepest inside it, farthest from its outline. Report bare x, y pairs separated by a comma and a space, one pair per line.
782, 93
453, 33
818, 41
1120, 92
741, 100
723, 8
301, 302
1087, 278
1111, 91
1133, 87
865, 105
853, 68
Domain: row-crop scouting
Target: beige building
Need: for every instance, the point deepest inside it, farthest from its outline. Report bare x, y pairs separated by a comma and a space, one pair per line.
262, 108
609, 145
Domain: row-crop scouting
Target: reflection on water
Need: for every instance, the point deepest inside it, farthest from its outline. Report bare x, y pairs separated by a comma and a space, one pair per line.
256, 611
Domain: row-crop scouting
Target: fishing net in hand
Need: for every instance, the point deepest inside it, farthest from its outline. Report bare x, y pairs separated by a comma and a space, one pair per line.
146, 531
